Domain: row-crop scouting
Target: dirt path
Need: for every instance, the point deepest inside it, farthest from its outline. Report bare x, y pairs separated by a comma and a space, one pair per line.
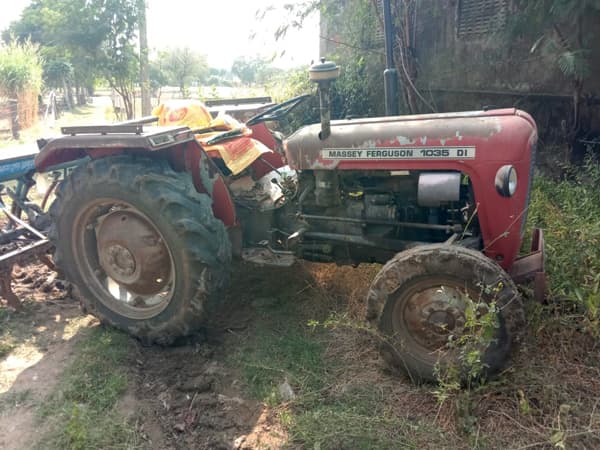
42, 336
180, 397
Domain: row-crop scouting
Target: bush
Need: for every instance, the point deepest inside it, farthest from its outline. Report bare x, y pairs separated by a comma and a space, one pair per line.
21, 78
20, 69
569, 212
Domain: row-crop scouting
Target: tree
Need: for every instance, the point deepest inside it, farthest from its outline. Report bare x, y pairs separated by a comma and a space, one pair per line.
158, 76
253, 70
184, 66
94, 36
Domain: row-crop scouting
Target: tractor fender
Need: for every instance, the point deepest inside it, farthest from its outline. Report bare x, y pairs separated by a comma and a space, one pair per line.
177, 145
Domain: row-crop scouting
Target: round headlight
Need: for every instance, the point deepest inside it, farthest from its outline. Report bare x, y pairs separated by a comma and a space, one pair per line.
506, 180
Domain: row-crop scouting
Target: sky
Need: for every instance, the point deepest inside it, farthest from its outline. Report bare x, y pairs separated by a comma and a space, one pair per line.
221, 29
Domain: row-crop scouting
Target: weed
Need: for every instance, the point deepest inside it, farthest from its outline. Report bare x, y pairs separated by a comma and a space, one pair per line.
464, 372
569, 212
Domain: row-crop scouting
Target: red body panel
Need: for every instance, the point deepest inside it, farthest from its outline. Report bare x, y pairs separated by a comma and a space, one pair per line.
499, 137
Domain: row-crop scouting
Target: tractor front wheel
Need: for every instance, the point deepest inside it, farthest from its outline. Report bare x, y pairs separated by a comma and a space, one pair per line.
443, 311
140, 245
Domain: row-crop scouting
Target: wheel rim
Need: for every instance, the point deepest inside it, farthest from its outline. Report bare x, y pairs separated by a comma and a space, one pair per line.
431, 311
124, 258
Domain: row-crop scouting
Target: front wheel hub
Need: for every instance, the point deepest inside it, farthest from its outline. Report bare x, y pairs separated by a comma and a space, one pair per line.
132, 253
432, 314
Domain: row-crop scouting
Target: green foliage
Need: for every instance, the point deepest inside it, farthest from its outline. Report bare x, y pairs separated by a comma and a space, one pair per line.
274, 357
183, 66
5, 348
556, 30
254, 70
569, 212
20, 69
57, 71
458, 381
355, 92
359, 90
83, 40
86, 397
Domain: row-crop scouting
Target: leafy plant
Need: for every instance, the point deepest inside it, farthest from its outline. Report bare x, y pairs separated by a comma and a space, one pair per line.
20, 69
569, 210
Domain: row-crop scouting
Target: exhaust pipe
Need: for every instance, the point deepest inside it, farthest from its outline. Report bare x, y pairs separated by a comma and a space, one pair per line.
324, 74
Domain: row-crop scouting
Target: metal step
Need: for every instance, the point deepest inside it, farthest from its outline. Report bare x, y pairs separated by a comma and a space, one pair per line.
265, 256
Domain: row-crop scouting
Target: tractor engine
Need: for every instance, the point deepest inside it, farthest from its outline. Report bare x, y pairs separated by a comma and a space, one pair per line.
354, 216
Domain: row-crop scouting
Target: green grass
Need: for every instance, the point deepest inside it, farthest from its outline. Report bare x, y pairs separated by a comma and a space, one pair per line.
14, 399
283, 346
569, 212
81, 411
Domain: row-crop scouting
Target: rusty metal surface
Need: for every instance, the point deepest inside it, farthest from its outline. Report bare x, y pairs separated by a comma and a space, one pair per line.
434, 309
132, 253
20, 244
68, 148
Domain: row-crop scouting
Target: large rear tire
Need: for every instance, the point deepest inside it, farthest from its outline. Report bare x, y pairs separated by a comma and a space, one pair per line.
426, 301
140, 245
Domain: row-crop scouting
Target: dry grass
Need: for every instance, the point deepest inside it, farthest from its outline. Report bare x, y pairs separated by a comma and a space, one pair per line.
549, 396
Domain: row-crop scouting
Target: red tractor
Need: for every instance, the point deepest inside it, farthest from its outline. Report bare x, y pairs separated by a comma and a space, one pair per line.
146, 225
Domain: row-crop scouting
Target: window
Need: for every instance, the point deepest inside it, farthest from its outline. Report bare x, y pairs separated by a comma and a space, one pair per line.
479, 17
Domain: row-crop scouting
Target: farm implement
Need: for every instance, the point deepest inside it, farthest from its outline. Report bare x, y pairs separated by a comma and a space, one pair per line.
23, 237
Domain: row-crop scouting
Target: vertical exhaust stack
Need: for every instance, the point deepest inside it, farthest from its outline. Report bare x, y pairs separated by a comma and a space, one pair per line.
324, 73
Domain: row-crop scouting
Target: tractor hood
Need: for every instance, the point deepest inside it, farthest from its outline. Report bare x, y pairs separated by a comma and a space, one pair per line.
390, 142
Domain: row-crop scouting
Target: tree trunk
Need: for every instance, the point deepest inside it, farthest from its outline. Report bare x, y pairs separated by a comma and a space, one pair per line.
68, 95
81, 97
144, 69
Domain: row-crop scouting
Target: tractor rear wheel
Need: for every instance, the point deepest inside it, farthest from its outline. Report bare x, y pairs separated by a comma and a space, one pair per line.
140, 245
444, 309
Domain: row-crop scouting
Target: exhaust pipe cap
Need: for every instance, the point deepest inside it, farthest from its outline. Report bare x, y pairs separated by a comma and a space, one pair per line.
324, 71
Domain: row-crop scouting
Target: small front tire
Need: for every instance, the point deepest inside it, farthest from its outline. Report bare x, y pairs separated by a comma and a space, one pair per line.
433, 305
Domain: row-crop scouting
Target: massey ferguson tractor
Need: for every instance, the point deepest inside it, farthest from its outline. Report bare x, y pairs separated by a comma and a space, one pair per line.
146, 226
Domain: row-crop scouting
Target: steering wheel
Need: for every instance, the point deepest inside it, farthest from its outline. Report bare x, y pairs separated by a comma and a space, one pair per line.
277, 112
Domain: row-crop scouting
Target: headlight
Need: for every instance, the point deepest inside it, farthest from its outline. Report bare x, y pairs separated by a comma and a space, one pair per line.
506, 181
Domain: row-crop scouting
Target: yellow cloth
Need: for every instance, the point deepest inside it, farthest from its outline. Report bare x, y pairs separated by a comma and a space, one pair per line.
237, 153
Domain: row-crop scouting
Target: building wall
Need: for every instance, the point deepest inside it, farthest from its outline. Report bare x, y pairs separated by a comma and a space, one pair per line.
467, 59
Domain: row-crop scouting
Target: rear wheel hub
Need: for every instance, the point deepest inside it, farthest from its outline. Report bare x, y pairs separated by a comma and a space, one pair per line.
132, 253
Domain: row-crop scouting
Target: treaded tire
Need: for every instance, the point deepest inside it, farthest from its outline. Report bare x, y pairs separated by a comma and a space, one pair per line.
200, 251
413, 269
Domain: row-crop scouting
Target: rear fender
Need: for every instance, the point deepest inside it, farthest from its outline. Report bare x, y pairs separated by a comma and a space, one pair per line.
184, 154
207, 179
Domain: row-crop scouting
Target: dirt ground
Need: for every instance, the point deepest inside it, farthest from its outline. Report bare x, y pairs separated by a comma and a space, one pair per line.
190, 396
180, 397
